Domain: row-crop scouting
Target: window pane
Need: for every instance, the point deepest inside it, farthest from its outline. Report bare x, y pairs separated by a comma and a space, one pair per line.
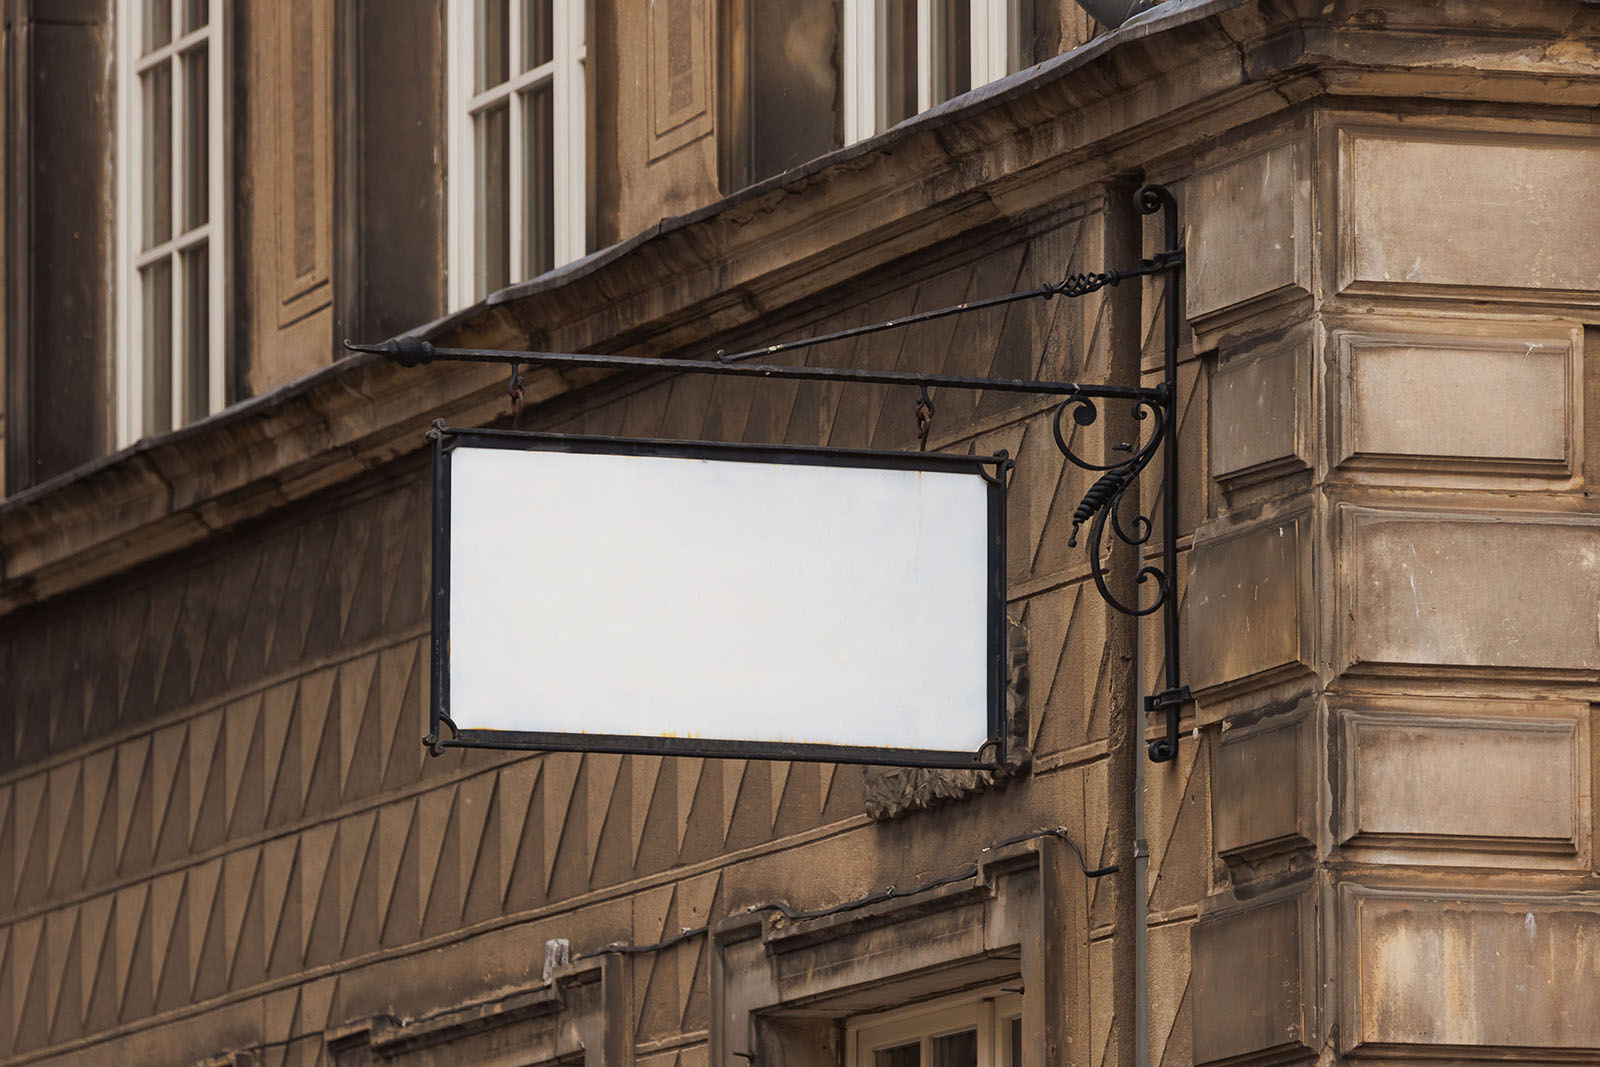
196, 141
157, 199
493, 44
793, 84
1014, 1041
196, 334
493, 130
952, 52
155, 281
538, 183
897, 61
537, 32
956, 1050
899, 1056
195, 13
157, 24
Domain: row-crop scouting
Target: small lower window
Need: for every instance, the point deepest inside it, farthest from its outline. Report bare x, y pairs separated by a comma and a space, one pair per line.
981, 1029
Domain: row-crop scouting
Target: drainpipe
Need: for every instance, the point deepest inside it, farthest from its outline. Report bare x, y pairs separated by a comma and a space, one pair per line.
1141, 875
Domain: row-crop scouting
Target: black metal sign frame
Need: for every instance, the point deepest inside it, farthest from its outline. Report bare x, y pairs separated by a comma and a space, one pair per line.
1101, 507
443, 732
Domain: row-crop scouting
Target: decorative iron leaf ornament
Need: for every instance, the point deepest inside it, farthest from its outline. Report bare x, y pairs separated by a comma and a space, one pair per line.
1102, 503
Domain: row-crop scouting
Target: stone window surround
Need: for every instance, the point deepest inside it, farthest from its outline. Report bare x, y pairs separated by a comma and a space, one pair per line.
775, 980
782, 991
563, 1021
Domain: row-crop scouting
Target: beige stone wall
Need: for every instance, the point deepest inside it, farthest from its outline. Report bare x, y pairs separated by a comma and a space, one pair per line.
220, 837
1391, 610
229, 834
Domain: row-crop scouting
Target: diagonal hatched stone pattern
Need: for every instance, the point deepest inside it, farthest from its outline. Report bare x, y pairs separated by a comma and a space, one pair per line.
229, 789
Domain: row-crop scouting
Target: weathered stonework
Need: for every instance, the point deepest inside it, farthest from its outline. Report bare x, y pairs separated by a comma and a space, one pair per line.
221, 840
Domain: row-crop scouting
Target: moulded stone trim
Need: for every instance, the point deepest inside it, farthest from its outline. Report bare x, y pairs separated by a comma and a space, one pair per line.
1458, 402
1020, 916
575, 1017
1465, 782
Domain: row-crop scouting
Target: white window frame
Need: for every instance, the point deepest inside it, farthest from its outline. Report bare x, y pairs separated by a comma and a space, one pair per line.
988, 1011
130, 256
993, 43
565, 72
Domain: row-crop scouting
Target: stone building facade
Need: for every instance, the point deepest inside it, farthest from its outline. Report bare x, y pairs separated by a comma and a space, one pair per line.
221, 840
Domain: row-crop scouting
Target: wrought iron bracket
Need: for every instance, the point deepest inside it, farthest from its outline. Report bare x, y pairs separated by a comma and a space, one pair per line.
1102, 505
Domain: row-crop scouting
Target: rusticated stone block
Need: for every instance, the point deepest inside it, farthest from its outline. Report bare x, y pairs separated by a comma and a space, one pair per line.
1260, 428
1466, 781
1247, 604
1251, 984
1453, 210
1471, 590
1421, 402
1515, 976
1265, 797
1249, 232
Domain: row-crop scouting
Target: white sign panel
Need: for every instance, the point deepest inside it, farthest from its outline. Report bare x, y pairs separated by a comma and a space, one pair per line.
718, 600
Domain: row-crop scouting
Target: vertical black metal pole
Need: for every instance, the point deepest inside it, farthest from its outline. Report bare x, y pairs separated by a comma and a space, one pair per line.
1153, 198
1169, 512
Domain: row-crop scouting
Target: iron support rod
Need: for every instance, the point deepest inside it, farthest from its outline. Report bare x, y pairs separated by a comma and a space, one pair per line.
1074, 285
412, 352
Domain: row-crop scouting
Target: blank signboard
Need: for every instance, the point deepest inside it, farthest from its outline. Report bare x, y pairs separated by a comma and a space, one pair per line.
719, 600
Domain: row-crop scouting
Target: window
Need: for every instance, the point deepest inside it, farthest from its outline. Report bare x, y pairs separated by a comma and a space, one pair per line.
902, 57
518, 162
780, 78
171, 189
970, 1030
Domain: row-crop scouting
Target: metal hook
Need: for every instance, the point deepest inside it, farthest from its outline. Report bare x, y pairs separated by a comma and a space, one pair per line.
924, 418
514, 389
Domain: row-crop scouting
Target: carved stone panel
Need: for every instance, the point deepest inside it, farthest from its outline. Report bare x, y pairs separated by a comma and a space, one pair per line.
1425, 402
680, 74
1264, 804
1444, 211
1515, 595
303, 85
1462, 781
1251, 981
1513, 977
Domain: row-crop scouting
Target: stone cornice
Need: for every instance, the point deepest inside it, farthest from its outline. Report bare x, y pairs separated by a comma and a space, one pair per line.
1186, 72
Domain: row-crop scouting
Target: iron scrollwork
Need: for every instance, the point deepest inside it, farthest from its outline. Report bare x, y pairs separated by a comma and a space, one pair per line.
1102, 503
